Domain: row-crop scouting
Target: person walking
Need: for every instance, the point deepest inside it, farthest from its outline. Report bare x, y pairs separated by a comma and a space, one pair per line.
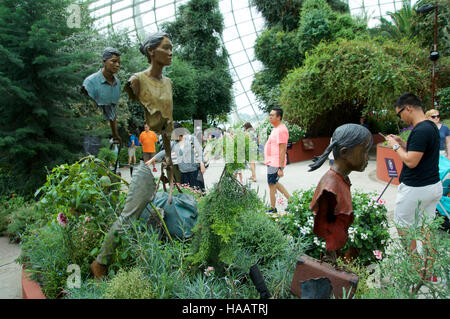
132, 144
187, 154
148, 139
444, 132
275, 155
253, 151
420, 187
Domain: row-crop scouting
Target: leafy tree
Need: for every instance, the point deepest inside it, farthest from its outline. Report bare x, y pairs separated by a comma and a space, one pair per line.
196, 34
281, 51
39, 75
286, 13
401, 25
342, 79
185, 88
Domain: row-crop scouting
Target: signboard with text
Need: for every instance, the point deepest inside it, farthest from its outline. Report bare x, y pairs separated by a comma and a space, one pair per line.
390, 165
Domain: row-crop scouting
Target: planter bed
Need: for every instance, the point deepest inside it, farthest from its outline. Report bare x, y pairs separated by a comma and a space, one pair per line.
382, 173
30, 289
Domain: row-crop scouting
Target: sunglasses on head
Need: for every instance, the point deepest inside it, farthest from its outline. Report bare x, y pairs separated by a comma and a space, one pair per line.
435, 116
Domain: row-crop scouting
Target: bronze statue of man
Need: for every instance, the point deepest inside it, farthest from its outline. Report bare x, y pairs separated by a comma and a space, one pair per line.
103, 87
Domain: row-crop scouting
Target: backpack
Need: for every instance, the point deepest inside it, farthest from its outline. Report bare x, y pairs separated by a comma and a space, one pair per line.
180, 216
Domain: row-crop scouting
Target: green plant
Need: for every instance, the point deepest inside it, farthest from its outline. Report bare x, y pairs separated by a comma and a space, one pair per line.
219, 218
46, 256
205, 53
9, 207
47, 133
360, 80
23, 220
107, 155
368, 232
403, 274
85, 187
130, 284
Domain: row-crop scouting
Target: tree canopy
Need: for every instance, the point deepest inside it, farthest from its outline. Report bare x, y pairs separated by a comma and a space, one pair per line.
341, 80
39, 76
196, 34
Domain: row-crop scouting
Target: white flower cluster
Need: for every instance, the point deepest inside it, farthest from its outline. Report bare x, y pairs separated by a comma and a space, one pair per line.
318, 243
305, 230
364, 236
352, 233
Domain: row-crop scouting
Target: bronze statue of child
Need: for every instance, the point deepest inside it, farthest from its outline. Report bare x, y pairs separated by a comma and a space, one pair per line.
332, 202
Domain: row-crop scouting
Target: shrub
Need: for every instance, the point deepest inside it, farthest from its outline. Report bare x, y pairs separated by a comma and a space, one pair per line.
79, 188
130, 284
218, 219
8, 206
24, 220
46, 256
403, 274
360, 78
107, 155
368, 232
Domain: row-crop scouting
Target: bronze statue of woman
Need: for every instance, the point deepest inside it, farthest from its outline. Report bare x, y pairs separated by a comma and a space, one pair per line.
154, 90
332, 201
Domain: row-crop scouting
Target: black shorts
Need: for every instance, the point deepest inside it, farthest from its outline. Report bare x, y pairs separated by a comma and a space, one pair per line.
272, 178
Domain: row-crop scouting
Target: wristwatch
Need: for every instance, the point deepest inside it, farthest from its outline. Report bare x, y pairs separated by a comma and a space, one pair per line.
396, 147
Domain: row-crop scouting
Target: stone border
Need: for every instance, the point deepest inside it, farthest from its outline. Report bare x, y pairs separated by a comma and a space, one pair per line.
30, 289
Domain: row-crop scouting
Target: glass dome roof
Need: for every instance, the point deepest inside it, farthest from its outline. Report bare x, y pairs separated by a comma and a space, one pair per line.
243, 23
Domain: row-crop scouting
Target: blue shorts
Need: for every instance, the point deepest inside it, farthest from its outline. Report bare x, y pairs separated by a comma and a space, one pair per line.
272, 175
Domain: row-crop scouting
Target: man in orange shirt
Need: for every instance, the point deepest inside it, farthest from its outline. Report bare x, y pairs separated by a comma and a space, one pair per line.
148, 139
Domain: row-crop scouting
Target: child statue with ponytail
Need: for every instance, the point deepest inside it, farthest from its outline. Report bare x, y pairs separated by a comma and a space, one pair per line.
332, 202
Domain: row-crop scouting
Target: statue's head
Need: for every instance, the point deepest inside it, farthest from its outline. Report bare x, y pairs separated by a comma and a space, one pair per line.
157, 47
350, 146
111, 59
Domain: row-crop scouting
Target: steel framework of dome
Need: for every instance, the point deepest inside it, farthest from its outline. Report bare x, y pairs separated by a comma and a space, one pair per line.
243, 23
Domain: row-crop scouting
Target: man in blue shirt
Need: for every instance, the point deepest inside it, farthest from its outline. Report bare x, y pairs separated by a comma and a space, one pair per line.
132, 143
104, 88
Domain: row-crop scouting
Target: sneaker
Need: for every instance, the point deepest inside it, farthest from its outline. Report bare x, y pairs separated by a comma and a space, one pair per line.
271, 211
154, 169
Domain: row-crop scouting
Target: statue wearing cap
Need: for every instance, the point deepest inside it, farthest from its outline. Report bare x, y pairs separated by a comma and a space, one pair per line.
103, 87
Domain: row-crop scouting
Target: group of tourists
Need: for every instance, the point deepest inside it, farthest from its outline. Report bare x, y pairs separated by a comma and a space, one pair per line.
182, 154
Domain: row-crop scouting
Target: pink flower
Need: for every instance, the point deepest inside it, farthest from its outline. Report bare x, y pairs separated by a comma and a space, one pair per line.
87, 219
378, 254
381, 201
280, 200
85, 233
62, 219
